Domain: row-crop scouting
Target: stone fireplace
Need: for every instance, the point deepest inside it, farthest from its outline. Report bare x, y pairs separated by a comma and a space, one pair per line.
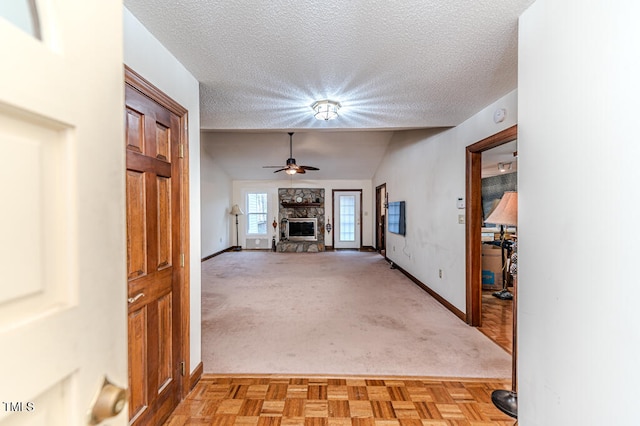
304, 208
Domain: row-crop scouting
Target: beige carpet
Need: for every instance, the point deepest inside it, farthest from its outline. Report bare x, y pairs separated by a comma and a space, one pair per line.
332, 313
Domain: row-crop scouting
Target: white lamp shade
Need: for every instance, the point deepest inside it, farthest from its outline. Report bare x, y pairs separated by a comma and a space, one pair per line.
236, 211
506, 212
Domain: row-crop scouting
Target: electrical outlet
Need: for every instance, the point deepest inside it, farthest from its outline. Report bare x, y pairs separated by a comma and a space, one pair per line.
440, 273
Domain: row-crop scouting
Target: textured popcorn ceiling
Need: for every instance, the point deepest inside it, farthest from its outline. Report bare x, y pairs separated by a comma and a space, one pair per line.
392, 64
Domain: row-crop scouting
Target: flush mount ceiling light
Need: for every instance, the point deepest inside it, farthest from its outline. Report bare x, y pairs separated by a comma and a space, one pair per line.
503, 167
326, 109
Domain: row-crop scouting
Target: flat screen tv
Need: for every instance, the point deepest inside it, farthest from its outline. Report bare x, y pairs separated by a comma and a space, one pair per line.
396, 217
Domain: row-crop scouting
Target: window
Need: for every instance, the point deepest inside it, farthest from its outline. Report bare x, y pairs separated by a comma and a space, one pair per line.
257, 213
23, 14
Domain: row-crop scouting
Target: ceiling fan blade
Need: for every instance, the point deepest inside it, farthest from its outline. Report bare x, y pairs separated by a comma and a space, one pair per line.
309, 168
300, 170
280, 170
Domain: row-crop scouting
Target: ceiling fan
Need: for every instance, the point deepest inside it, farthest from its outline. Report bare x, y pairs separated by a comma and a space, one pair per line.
291, 168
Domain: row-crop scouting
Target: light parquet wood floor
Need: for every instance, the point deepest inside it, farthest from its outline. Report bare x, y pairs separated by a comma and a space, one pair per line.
497, 320
312, 401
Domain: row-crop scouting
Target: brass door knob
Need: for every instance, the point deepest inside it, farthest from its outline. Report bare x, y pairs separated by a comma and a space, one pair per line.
109, 402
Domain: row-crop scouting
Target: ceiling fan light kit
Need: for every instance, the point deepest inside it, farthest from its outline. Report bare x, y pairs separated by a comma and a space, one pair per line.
326, 109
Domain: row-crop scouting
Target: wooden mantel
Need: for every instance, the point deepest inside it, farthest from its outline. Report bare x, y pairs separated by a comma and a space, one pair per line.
288, 205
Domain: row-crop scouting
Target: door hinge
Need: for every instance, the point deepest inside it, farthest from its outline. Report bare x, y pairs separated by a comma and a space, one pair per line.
183, 368
181, 150
182, 260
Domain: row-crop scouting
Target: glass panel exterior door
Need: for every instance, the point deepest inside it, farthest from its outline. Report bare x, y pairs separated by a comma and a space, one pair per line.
347, 221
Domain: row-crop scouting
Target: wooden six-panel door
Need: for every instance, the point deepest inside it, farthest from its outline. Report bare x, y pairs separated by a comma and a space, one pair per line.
153, 258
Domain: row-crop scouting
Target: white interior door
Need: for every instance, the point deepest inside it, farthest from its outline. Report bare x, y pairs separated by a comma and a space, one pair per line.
62, 222
346, 204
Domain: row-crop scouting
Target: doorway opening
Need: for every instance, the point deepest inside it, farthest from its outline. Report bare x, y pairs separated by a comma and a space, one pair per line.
381, 219
499, 176
474, 216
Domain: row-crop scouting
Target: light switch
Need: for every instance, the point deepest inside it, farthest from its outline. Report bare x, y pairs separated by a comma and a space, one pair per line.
461, 218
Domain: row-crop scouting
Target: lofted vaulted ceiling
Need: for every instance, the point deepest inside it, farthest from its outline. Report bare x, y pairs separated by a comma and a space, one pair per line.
393, 65
338, 154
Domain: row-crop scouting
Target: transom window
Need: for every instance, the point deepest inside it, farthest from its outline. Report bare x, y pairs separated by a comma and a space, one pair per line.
257, 213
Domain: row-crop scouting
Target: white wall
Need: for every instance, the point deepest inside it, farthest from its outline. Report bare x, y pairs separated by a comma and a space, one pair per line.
216, 203
578, 292
145, 55
242, 187
426, 169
